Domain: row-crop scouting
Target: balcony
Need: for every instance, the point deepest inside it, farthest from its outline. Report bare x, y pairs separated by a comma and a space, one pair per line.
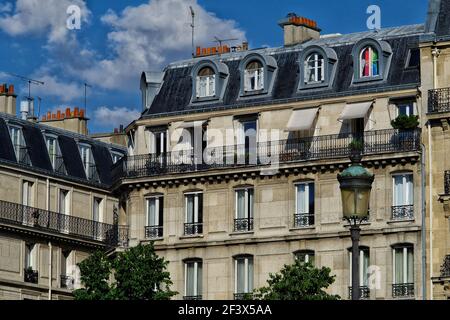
283, 151
364, 292
192, 297
191, 229
243, 296
439, 100
403, 212
302, 220
30, 275
243, 224
152, 232
56, 223
403, 290
67, 282
445, 268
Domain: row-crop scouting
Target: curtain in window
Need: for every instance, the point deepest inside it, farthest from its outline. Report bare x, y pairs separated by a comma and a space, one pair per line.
410, 267
250, 203
190, 279
199, 279
398, 256
403, 190
152, 219
369, 63
240, 269
302, 198
190, 201
240, 204
364, 267
250, 275
398, 191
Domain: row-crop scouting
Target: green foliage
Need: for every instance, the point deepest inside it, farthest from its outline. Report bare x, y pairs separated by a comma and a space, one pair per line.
404, 122
299, 281
138, 272
356, 145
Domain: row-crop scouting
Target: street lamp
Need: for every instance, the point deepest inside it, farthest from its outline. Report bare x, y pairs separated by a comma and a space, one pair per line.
355, 183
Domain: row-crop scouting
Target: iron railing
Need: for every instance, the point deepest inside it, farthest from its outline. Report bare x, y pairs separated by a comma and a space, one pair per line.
22, 154
152, 232
92, 172
58, 164
57, 223
243, 224
403, 212
282, 151
31, 276
445, 268
199, 297
364, 292
403, 290
67, 282
243, 296
303, 220
193, 228
447, 181
439, 100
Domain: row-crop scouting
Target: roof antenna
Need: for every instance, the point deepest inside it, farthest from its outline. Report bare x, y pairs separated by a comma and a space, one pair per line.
86, 85
193, 29
220, 41
29, 80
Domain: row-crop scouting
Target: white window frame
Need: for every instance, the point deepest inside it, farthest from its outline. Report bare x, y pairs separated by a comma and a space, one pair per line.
361, 265
246, 273
17, 145
405, 263
197, 288
413, 107
307, 253
249, 208
86, 155
196, 207
157, 200
116, 156
48, 138
361, 66
206, 86
258, 75
307, 194
409, 202
319, 63
31, 258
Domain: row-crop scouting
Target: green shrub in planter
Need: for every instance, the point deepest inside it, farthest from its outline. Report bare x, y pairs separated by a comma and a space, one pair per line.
404, 122
356, 145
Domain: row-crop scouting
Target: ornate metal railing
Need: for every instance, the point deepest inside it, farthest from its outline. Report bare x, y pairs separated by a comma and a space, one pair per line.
445, 268
193, 228
123, 236
447, 181
364, 292
282, 151
92, 172
31, 276
242, 296
199, 297
152, 232
58, 165
67, 282
439, 100
303, 220
403, 212
403, 290
243, 224
57, 223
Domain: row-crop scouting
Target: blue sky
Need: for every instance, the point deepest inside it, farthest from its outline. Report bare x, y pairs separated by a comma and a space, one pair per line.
120, 39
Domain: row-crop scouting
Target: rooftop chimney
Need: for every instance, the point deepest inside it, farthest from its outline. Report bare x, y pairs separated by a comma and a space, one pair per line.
298, 29
7, 99
67, 119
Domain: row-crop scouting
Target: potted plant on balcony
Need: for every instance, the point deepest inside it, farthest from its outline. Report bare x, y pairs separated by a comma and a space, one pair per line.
405, 125
356, 147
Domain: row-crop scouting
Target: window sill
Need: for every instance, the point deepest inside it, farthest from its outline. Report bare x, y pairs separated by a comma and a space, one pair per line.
205, 99
313, 227
400, 220
154, 239
253, 93
237, 233
193, 236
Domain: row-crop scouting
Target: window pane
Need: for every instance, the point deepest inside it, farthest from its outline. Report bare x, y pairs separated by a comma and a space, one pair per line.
190, 284
190, 209
250, 275
152, 213
240, 275
410, 268
240, 204
398, 264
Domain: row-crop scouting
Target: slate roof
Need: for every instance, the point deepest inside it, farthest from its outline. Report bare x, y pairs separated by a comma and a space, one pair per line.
67, 141
443, 21
174, 96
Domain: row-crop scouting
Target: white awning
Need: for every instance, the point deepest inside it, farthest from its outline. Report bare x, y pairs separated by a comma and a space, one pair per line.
191, 124
355, 110
302, 119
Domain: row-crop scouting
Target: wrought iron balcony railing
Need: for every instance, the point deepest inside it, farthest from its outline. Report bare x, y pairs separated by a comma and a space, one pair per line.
57, 223
243, 224
303, 220
283, 151
447, 182
67, 282
30, 275
439, 100
242, 296
403, 212
152, 232
364, 292
193, 228
403, 290
199, 297
445, 268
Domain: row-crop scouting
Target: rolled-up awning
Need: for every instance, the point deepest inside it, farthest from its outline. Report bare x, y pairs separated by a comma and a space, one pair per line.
302, 119
355, 110
191, 124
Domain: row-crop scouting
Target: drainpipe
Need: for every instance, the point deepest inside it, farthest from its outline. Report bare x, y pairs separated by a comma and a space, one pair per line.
50, 258
435, 52
424, 232
47, 201
430, 183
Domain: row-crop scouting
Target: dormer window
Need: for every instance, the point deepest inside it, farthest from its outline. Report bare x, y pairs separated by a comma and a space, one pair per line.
116, 156
314, 68
254, 77
88, 162
369, 62
54, 153
19, 145
206, 83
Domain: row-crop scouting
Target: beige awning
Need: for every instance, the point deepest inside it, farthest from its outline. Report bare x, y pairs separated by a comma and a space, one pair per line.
355, 110
191, 124
302, 119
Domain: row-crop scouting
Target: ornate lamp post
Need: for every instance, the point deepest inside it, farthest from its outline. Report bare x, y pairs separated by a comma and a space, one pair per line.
355, 183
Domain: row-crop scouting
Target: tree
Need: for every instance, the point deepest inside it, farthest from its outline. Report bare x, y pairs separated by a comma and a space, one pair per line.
299, 281
139, 274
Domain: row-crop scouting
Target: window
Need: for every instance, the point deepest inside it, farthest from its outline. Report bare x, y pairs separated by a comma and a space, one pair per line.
243, 278
30, 256
254, 76
193, 223
54, 153
158, 142
88, 162
413, 60
193, 280
403, 196
403, 271
67, 281
130, 143
97, 217
20, 148
405, 108
314, 68
363, 272
244, 209
369, 63
305, 256
116, 156
247, 141
154, 224
304, 204
206, 83
27, 194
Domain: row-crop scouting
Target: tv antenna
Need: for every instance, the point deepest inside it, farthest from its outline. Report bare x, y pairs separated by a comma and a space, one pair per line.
29, 80
193, 29
220, 41
86, 85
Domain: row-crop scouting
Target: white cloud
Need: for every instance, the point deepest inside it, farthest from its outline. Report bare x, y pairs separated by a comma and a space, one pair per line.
115, 116
55, 87
41, 17
5, 7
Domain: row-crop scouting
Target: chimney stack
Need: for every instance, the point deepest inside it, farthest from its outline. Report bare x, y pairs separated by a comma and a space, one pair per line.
67, 119
7, 99
298, 30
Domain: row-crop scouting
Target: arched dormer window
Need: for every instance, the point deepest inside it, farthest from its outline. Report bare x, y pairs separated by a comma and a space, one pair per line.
317, 67
371, 60
369, 64
254, 76
209, 81
257, 73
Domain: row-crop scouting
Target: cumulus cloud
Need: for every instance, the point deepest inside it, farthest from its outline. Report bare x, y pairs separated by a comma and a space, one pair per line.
65, 91
40, 17
5, 7
115, 116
